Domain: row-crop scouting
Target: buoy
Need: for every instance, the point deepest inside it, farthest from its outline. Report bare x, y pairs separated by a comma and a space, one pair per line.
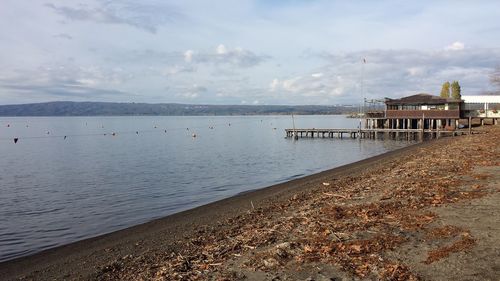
155, 127
137, 132
15, 140
64, 137
187, 129
194, 135
8, 125
48, 132
113, 134
165, 131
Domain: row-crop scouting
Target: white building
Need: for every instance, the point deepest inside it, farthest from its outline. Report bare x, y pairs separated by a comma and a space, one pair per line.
481, 106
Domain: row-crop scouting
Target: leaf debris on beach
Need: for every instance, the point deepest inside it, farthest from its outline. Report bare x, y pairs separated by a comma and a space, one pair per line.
355, 227
325, 225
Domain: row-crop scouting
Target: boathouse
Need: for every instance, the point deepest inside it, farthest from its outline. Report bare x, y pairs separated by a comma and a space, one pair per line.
415, 116
413, 112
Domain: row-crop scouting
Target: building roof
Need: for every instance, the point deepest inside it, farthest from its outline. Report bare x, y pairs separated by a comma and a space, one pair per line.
482, 99
421, 99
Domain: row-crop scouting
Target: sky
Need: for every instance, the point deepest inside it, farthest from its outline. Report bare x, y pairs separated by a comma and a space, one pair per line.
323, 52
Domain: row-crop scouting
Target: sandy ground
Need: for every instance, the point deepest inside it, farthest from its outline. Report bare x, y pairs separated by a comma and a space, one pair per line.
428, 212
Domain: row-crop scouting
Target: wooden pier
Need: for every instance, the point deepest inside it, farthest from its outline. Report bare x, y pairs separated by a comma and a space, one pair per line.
371, 133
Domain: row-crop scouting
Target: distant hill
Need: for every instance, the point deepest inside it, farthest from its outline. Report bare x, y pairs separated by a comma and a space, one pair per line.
65, 108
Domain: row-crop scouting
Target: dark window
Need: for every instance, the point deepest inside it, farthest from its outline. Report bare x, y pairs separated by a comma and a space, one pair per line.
453, 106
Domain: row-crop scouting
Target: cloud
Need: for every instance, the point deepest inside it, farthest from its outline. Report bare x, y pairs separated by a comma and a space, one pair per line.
221, 50
68, 81
192, 92
456, 46
310, 86
63, 36
274, 85
222, 55
67, 91
177, 69
142, 15
416, 71
141, 57
188, 55
388, 73
292, 84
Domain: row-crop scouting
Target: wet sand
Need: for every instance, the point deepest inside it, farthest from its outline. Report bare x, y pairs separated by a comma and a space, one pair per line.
359, 221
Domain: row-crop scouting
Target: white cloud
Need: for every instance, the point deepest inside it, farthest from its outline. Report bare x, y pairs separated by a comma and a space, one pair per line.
190, 95
221, 50
415, 71
317, 75
456, 46
87, 82
291, 85
274, 84
224, 56
338, 91
177, 69
188, 56
192, 92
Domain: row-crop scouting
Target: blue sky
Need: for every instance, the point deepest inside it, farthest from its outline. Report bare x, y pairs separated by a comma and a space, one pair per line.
243, 52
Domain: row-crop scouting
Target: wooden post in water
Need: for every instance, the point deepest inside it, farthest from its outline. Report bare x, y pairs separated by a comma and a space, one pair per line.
437, 128
423, 127
359, 134
470, 124
295, 136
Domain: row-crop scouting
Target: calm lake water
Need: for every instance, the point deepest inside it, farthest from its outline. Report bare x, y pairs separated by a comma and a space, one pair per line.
56, 190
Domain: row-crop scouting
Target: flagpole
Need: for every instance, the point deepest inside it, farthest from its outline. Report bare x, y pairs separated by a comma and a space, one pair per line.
362, 84
362, 113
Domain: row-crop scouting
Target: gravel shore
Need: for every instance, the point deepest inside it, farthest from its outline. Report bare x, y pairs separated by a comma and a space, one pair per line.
426, 212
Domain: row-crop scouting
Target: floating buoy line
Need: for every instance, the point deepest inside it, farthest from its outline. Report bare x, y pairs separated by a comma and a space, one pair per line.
156, 129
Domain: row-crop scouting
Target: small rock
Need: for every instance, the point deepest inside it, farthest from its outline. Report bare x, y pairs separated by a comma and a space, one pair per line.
284, 245
270, 263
